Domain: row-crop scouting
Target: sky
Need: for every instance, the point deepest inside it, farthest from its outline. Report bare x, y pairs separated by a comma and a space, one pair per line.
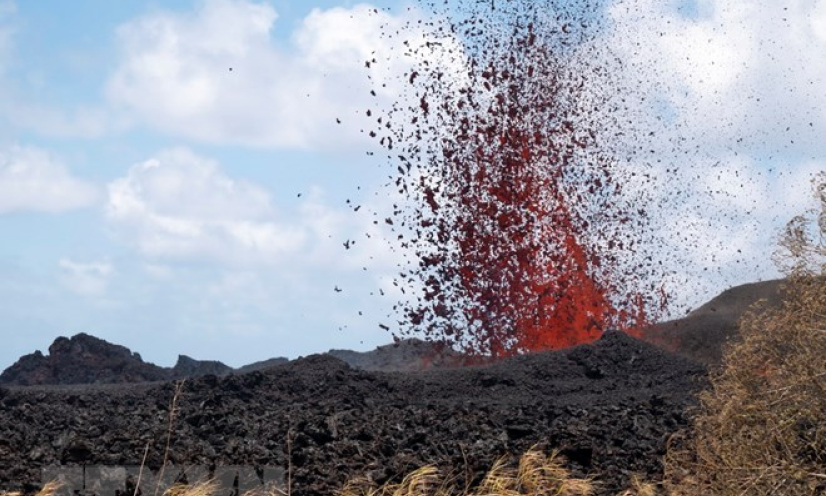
174, 178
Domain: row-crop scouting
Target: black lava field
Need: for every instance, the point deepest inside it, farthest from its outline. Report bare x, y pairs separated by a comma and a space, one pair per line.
609, 406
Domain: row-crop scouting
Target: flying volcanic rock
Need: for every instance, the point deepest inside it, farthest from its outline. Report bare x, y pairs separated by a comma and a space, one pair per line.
518, 226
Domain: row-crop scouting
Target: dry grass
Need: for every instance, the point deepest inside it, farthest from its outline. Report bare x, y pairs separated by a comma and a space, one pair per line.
802, 247
48, 489
213, 488
202, 488
536, 474
640, 488
424, 481
761, 429
173, 411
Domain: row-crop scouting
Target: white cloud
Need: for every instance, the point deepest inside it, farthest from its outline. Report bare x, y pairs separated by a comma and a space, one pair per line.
86, 279
82, 121
31, 179
732, 91
738, 76
217, 75
181, 206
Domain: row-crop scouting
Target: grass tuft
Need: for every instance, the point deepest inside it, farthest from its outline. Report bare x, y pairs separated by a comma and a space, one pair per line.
201, 488
640, 488
48, 489
212, 488
536, 474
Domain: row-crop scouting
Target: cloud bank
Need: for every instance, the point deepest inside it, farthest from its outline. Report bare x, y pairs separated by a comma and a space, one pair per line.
180, 206
218, 75
33, 180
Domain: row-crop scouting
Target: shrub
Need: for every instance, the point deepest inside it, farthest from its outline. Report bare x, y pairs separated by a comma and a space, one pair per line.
761, 429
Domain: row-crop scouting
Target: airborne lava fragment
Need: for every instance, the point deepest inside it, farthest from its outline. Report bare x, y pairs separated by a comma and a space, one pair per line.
517, 219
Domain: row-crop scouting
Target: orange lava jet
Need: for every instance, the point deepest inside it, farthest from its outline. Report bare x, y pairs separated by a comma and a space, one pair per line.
527, 280
518, 224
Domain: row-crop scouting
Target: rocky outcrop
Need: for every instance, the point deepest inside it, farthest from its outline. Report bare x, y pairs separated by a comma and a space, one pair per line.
85, 359
262, 365
82, 359
402, 356
189, 367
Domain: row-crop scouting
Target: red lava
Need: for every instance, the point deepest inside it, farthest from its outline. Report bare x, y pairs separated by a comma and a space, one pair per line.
516, 216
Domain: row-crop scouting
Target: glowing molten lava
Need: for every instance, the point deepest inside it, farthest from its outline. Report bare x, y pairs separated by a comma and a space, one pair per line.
518, 223
527, 281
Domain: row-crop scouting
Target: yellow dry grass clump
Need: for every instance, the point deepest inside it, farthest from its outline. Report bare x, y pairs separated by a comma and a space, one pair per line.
536, 474
761, 429
640, 488
48, 489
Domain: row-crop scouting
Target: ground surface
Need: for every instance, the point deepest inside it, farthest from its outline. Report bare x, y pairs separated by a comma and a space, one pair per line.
608, 406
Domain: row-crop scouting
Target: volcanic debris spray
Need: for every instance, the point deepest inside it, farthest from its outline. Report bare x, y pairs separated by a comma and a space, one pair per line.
516, 219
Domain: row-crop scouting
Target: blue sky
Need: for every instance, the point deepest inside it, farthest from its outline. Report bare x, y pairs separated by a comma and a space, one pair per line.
150, 196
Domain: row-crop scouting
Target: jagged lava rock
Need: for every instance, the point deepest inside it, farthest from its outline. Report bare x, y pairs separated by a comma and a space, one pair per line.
85, 359
82, 359
608, 406
189, 367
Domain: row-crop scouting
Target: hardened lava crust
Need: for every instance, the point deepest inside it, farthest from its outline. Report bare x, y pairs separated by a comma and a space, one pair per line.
608, 407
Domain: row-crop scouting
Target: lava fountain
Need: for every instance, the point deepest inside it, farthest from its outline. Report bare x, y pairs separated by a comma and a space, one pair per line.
517, 218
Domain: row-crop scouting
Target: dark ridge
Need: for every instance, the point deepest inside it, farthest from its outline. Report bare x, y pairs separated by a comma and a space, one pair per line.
82, 359
405, 355
85, 359
262, 365
702, 334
